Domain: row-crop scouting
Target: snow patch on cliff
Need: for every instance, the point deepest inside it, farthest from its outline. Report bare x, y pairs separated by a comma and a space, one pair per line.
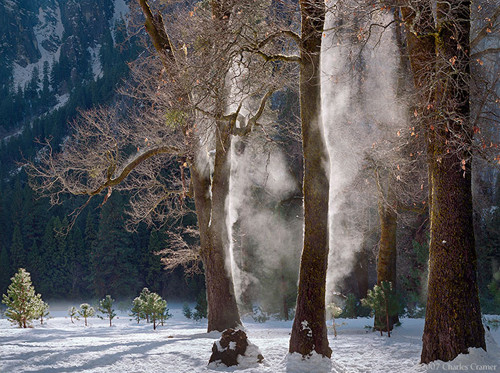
48, 32
95, 60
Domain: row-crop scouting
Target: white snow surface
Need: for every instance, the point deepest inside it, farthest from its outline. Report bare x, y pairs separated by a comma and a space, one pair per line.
95, 60
184, 346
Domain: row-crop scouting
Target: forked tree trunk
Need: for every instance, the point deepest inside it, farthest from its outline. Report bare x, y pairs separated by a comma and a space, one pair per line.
453, 315
309, 332
210, 195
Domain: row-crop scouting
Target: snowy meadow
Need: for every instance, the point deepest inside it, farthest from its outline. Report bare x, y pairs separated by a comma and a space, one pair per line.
182, 345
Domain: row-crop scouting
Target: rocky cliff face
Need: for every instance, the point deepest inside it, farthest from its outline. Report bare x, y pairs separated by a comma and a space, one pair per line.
36, 34
50, 50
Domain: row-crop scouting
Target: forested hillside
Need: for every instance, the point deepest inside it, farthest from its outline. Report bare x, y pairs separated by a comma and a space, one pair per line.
59, 57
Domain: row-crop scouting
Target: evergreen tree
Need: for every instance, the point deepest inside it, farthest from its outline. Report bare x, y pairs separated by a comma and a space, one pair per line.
151, 263
73, 313
384, 302
106, 307
80, 265
137, 310
22, 303
17, 252
113, 257
143, 297
86, 311
42, 310
201, 308
155, 307
186, 311
4, 268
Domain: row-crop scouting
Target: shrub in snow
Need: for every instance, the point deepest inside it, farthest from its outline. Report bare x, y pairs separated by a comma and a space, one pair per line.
383, 301
334, 312
186, 311
86, 311
165, 314
259, 315
201, 308
106, 308
73, 313
42, 311
494, 287
23, 305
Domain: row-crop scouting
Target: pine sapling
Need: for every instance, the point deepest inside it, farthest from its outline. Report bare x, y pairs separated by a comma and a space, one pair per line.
384, 302
165, 315
334, 311
73, 314
106, 307
494, 287
86, 311
21, 301
186, 311
144, 296
42, 310
137, 309
154, 307
201, 307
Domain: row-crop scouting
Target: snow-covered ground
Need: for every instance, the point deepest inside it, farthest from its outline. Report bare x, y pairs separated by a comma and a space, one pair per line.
183, 345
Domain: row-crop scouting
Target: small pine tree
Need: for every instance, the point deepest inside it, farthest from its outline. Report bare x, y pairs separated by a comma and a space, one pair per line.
73, 314
350, 307
334, 312
186, 311
137, 309
494, 287
154, 307
201, 307
144, 296
86, 311
21, 301
42, 310
165, 315
383, 301
106, 307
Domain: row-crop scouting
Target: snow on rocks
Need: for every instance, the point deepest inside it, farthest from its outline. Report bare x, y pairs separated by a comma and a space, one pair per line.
233, 349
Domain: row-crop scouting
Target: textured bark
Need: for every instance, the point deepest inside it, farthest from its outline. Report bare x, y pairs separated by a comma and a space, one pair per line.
309, 331
387, 253
453, 315
222, 308
209, 193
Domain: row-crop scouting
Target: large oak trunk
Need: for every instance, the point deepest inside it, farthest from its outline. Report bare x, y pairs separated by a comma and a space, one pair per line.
453, 317
222, 307
309, 331
440, 59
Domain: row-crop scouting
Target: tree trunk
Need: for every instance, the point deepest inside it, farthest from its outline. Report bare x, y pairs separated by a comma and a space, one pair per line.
222, 308
361, 272
387, 253
453, 315
309, 331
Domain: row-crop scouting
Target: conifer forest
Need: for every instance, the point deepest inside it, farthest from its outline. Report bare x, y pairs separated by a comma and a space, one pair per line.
250, 185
